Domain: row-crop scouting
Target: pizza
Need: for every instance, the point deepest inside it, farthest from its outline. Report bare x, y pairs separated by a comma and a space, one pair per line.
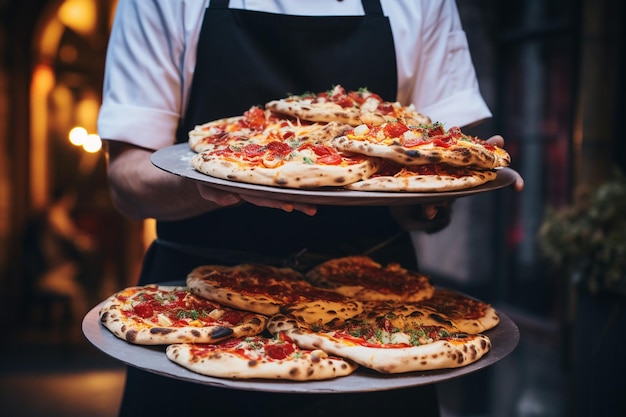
262, 148
286, 165
260, 127
393, 177
352, 140
362, 278
466, 314
351, 107
270, 290
257, 321
384, 348
276, 358
428, 144
449, 309
157, 315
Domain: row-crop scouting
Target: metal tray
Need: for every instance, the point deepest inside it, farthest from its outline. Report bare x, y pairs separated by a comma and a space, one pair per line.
504, 338
176, 160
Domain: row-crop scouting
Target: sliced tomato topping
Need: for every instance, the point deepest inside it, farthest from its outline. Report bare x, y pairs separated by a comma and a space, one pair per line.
252, 150
279, 351
143, 310
255, 118
279, 148
327, 155
395, 129
232, 317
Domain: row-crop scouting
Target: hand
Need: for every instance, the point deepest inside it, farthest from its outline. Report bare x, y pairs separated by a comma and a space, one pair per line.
498, 141
429, 217
225, 199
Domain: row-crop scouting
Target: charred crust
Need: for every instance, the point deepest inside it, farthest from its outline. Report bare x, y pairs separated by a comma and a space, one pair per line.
161, 331
255, 321
221, 332
131, 335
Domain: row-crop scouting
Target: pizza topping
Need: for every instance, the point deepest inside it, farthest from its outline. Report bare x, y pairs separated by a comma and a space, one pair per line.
362, 278
456, 305
178, 308
338, 138
153, 315
309, 332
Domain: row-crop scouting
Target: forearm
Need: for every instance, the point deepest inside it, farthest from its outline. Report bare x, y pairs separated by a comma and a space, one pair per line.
140, 190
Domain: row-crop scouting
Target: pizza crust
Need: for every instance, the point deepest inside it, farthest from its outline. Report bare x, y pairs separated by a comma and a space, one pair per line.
453, 352
116, 314
271, 291
208, 281
353, 108
287, 173
304, 365
467, 314
361, 278
216, 129
417, 183
462, 154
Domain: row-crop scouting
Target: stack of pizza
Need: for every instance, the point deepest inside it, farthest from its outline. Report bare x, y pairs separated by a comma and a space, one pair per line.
351, 140
259, 321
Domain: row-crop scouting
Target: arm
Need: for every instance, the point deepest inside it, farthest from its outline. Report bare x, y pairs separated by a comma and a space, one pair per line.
140, 190
149, 67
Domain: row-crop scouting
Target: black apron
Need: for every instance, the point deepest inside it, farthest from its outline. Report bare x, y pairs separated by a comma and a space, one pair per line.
245, 58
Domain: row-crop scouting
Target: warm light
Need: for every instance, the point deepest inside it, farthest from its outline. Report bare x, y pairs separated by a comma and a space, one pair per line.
79, 15
86, 112
43, 79
92, 144
78, 136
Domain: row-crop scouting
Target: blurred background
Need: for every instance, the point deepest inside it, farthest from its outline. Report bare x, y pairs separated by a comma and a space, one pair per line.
552, 72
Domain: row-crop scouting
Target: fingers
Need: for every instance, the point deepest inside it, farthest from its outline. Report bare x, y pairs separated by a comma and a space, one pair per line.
281, 205
430, 210
219, 197
224, 199
518, 185
497, 140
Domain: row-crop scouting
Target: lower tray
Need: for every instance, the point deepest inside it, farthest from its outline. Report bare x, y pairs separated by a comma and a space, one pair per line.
504, 338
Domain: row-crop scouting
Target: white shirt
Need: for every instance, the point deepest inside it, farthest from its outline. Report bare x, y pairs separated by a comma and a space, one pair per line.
152, 54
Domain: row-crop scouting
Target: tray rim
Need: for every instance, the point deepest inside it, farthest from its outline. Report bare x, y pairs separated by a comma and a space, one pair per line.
175, 160
504, 338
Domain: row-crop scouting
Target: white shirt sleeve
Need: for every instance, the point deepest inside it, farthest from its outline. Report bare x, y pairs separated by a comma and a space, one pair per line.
148, 71
152, 54
435, 68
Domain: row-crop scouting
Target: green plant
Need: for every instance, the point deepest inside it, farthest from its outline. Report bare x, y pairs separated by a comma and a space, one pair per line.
587, 239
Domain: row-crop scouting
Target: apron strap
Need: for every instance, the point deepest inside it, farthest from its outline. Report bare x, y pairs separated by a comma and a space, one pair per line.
218, 4
371, 7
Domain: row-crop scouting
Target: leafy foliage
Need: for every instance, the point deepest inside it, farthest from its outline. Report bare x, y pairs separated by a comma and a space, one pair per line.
588, 238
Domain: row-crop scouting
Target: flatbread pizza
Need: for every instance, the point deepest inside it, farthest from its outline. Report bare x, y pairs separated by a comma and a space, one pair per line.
256, 321
429, 144
350, 107
362, 278
387, 349
352, 140
270, 290
161, 315
260, 357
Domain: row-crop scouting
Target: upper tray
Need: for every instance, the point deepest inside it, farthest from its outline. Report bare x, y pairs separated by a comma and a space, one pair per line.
176, 160
504, 338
